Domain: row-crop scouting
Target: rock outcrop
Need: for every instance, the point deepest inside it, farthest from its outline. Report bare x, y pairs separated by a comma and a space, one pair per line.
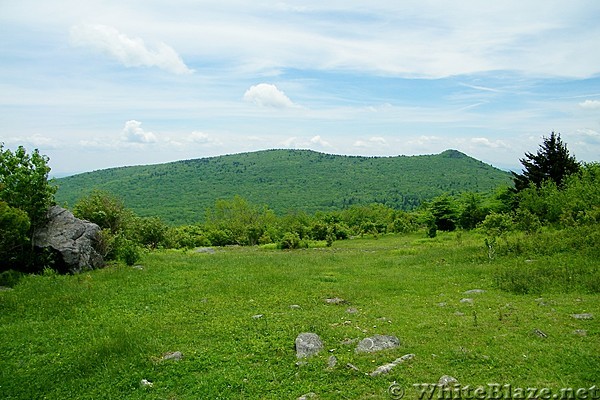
74, 241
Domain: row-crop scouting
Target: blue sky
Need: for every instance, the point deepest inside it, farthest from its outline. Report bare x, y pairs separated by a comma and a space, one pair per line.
98, 84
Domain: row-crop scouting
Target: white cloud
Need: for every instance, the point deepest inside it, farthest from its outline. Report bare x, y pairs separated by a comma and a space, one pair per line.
371, 142
485, 142
267, 95
590, 104
131, 52
589, 136
319, 141
35, 141
199, 137
133, 133
291, 143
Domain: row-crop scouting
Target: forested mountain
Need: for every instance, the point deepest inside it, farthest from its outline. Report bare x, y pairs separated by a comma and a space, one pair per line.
285, 180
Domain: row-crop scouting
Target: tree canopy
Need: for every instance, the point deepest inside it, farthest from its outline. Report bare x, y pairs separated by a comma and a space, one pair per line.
551, 162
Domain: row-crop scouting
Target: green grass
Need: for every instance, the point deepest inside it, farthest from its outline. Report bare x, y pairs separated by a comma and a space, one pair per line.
97, 335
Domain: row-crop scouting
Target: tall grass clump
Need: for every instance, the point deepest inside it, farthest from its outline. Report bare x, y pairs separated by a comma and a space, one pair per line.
542, 262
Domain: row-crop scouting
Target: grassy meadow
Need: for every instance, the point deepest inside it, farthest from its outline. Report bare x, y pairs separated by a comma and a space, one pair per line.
96, 335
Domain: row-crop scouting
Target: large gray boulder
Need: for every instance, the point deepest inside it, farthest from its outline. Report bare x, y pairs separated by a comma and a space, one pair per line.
377, 343
72, 239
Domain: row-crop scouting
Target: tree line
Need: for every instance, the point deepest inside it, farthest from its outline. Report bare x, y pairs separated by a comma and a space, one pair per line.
553, 190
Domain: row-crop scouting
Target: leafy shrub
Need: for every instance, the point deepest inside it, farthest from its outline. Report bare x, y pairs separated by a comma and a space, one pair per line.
105, 210
14, 225
404, 223
25, 196
10, 278
496, 225
443, 209
118, 247
149, 231
472, 212
291, 240
129, 252
220, 237
551, 266
186, 236
24, 183
527, 222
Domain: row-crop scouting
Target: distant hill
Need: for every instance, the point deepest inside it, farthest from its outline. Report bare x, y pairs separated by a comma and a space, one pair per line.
285, 180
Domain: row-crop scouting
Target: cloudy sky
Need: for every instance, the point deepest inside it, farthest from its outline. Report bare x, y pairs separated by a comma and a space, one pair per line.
103, 83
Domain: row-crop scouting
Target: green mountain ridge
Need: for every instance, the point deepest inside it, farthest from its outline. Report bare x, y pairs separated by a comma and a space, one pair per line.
286, 180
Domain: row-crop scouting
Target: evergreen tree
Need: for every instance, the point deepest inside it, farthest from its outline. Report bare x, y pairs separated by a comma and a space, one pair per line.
552, 162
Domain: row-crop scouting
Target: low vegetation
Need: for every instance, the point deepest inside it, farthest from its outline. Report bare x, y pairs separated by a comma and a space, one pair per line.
100, 333
232, 292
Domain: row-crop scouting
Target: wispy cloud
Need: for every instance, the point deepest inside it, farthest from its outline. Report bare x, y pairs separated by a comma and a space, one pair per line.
591, 104
35, 141
319, 141
131, 52
485, 142
375, 141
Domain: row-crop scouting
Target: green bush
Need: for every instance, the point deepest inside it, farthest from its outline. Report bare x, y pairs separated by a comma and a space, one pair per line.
220, 237
185, 237
105, 210
14, 225
25, 196
129, 252
10, 278
291, 240
547, 268
496, 225
527, 222
444, 211
149, 231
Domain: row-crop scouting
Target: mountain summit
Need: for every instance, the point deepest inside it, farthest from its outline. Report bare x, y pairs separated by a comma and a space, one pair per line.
285, 180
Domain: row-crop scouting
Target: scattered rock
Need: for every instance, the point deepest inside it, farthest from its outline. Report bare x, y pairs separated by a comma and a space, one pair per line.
447, 381
207, 250
459, 314
140, 267
351, 310
73, 240
335, 300
307, 396
580, 332
475, 291
332, 362
257, 316
442, 304
540, 333
146, 383
351, 366
384, 369
308, 344
466, 301
583, 316
377, 343
175, 356
295, 307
